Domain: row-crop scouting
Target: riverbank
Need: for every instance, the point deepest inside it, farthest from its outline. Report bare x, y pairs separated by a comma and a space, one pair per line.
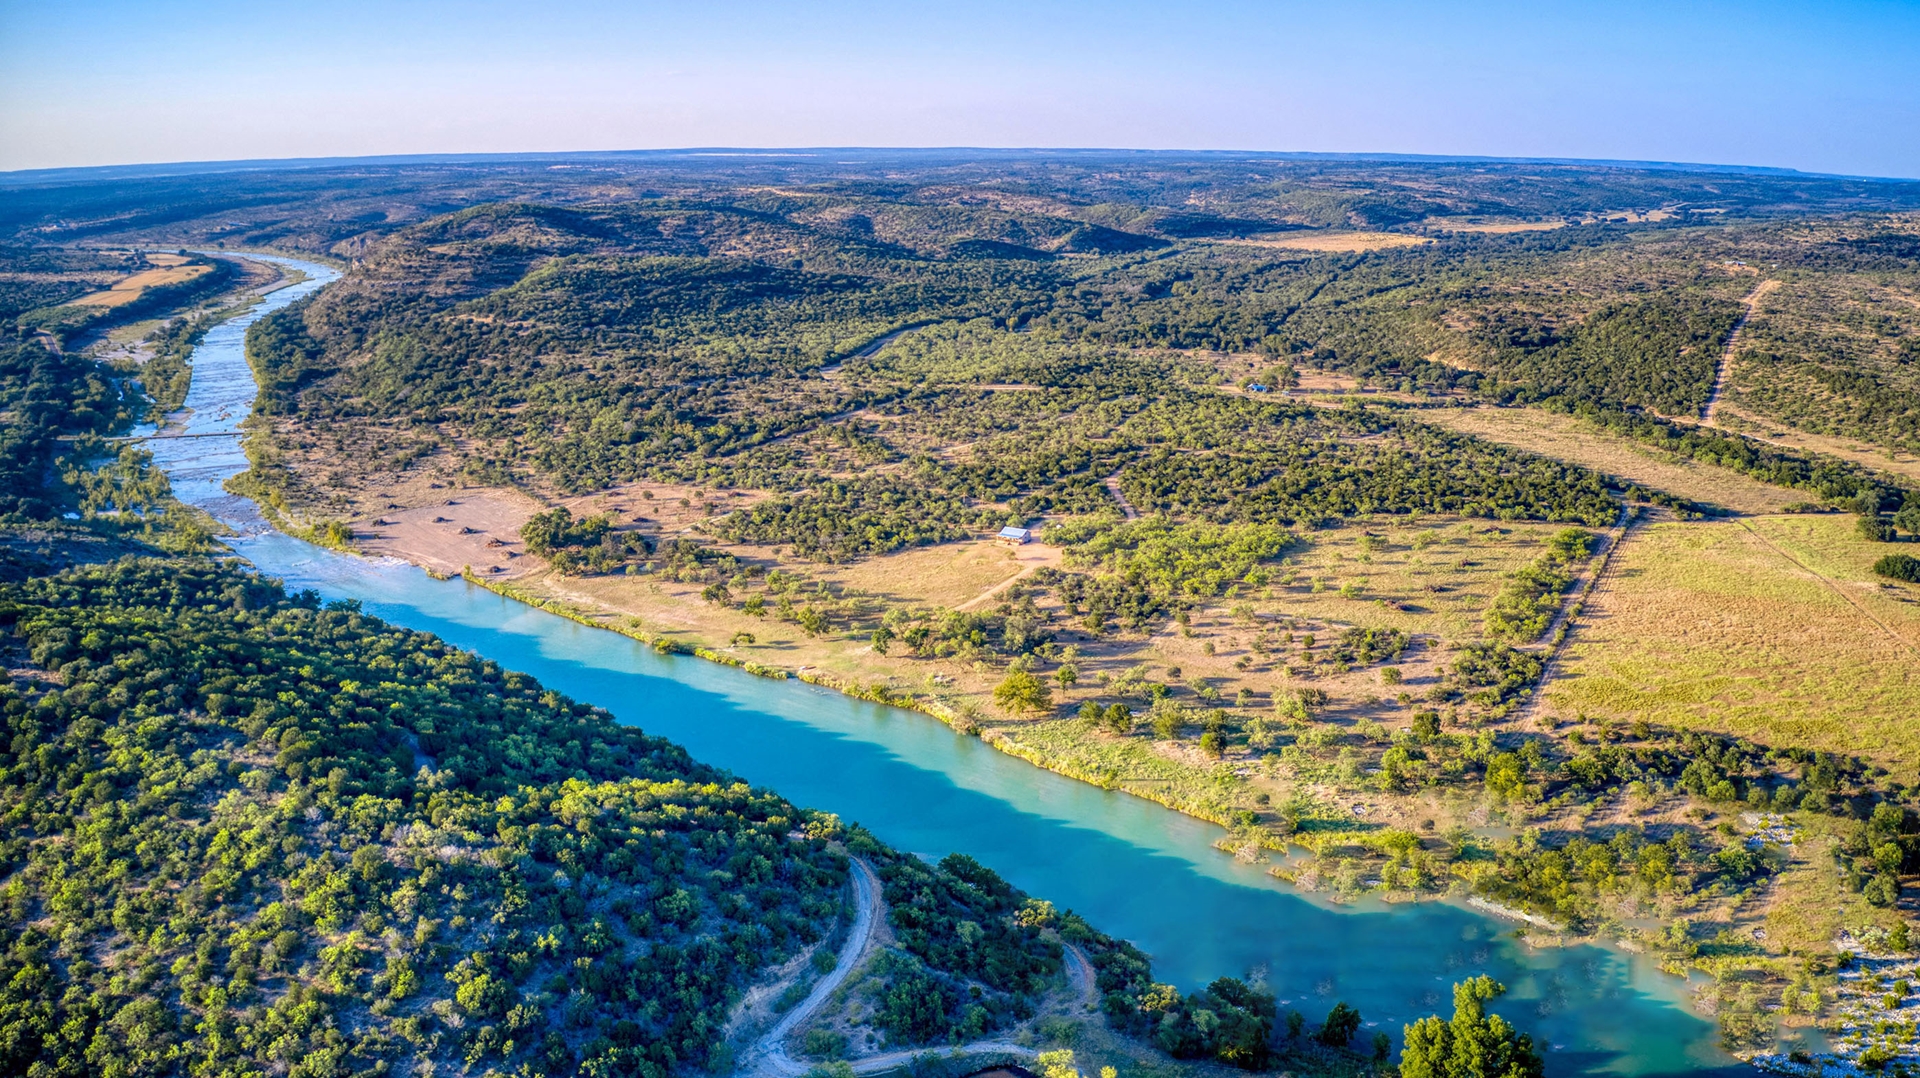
1156, 910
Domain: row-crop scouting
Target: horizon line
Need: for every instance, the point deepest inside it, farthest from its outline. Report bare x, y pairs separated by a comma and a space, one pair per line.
164, 169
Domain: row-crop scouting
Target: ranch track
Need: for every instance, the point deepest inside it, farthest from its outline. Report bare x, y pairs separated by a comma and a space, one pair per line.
768, 1057
1833, 587
1726, 354
1564, 623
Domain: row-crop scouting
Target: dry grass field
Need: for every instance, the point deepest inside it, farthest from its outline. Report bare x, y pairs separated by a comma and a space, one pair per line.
1772, 628
167, 270
1490, 226
1332, 241
1574, 440
1904, 463
1431, 577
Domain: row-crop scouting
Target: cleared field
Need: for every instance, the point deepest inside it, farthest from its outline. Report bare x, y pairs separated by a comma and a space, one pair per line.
164, 273
1575, 441
1900, 462
1435, 577
1494, 227
950, 574
1772, 628
1333, 241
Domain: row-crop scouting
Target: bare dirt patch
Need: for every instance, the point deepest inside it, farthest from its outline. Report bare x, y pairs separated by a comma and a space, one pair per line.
449, 529
949, 574
477, 528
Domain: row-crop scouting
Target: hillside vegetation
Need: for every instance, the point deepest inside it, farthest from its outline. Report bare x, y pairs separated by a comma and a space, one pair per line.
772, 413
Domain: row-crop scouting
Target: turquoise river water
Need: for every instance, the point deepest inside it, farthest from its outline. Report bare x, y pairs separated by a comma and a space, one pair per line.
1132, 867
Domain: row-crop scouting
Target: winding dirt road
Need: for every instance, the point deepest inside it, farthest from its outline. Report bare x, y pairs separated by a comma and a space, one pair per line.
768, 1055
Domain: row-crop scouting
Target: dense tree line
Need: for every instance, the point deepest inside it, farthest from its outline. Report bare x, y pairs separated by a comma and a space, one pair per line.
977, 953
1528, 601
251, 831
1657, 354
50, 396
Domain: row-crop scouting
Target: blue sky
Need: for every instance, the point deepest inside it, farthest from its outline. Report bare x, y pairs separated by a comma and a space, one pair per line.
1831, 87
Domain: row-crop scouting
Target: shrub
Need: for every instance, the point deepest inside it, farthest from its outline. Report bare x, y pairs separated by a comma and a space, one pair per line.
1899, 567
1876, 530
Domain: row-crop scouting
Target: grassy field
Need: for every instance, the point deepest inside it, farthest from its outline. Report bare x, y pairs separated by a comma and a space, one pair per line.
1490, 226
168, 270
1574, 440
1772, 628
1324, 242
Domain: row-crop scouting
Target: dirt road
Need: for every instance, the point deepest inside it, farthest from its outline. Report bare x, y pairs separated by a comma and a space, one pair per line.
768, 1056
1733, 339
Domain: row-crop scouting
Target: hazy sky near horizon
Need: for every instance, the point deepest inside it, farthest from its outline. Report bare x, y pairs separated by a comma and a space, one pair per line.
1829, 87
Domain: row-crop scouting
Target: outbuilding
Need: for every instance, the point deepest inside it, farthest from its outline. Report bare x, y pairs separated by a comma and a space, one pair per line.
1015, 536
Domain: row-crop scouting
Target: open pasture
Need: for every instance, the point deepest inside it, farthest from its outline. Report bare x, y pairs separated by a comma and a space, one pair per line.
170, 272
1772, 628
1323, 242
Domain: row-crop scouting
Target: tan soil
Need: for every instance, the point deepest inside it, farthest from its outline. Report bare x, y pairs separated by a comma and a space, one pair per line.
479, 527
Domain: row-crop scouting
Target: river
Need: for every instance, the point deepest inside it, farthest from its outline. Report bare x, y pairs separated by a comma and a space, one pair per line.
1131, 867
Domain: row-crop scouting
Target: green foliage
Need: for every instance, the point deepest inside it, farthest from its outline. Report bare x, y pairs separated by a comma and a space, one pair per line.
1899, 567
555, 529
1406, 468
593, 544
1828, 478
1228, 1020
1527, 603
1341, 1024
266, 818
1490, 674
1178, 561
166, 376
49, 396
1474, 1044
285, 357
1658, 354
854, 517
1021, 691
1875, 529
971, 963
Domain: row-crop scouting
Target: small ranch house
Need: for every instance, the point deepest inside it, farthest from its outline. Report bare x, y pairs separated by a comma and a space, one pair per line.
1013, 536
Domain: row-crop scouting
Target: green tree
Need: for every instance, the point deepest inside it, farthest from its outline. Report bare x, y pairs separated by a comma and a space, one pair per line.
1899, 567
1474, 1044
1341, 1024
1876, 530
1021, 691
1908, 518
